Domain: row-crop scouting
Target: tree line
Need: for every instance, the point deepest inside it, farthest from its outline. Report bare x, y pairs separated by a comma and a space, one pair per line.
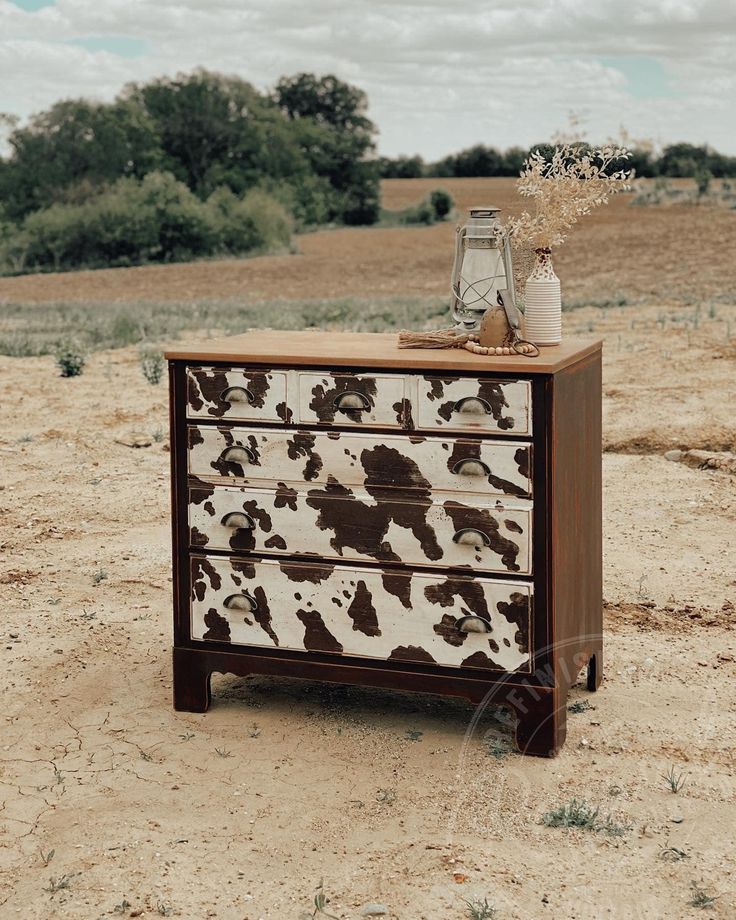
193, 165
675, 160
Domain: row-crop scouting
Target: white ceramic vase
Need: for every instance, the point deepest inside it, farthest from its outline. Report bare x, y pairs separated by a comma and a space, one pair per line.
543, 303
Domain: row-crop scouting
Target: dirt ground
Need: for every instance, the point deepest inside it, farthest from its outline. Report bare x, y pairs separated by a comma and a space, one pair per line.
675, 253
112, 804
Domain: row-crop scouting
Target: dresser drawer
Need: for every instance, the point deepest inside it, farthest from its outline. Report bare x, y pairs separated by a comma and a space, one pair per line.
333, 522
460, 403
352, 399
389, 614
264, 455
241, 395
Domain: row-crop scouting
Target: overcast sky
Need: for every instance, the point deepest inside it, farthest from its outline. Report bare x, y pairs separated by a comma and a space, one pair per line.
440, 74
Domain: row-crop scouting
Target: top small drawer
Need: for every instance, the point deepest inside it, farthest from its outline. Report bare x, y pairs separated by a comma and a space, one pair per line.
240, 394
352, 399
462, 403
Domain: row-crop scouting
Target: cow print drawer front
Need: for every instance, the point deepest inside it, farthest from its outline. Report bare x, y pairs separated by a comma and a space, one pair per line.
335, 522
387, 614
353, 399
457, 404
422, 464
238, 394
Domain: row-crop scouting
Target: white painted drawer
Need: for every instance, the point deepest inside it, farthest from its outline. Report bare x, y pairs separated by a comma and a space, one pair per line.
351, 399
251, 395
267, 455
334, 522
465, 404
390, 614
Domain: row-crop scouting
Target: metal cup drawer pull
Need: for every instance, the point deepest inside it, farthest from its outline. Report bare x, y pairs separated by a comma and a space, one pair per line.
470, 466
238, 520
236, 454
237, 395
351, 400
473, 624
473, 405
470, 536
244, 601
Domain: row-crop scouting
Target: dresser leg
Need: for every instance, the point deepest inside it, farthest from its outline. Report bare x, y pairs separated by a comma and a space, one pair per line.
541, 720
191, 681
595, 669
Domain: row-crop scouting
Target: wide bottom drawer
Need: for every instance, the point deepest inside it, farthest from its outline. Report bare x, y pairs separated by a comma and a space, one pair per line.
387, 614
337, 522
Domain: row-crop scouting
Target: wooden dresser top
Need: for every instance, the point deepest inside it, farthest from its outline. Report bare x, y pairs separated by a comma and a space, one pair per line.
372, 350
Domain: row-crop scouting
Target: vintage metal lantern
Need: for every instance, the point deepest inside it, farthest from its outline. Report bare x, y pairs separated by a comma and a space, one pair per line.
482, 269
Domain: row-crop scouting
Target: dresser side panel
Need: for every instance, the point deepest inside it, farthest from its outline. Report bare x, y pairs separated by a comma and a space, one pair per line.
575, 525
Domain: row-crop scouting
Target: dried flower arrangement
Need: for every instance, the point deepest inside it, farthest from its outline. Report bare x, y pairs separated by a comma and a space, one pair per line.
566, 187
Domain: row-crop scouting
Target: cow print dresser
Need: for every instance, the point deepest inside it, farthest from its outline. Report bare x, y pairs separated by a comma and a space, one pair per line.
347, 511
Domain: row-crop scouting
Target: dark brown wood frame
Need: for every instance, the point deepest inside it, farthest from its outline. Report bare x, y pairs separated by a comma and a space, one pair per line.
567, 612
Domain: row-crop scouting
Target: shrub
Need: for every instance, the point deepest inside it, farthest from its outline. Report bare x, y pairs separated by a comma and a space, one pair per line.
256, 221
441, 203
422, 213
69, 358
153, 219
152, 365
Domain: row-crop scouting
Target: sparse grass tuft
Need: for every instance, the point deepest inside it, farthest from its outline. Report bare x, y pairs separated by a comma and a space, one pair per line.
574, 814
386, 796
498, 748
320, 902
480, 910
580, 706
674, 781
99, 576
413, 734
59, 884
223, 752
581, 815
700, 897
47, 857
673, 854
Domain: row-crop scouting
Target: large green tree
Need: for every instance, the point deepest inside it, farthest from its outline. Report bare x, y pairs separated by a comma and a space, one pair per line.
73, 150
336, 135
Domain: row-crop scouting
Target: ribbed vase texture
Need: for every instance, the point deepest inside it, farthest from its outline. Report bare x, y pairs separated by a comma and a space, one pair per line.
543, 303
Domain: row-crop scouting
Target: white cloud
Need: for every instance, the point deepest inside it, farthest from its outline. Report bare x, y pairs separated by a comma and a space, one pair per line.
438, 76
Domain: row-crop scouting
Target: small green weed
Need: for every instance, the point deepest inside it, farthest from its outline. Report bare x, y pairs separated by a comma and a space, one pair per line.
480, 910
580, 706
122, 907
413, 734
674, 781
59, 884
700, 897
152, 365
574, 814
70, 359
47, 857
223, 752
584, 816
320, 902
99, 576
498, 748
673, 854
386, 796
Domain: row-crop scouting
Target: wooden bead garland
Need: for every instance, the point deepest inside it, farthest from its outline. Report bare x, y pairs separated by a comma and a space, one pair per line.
473, 345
